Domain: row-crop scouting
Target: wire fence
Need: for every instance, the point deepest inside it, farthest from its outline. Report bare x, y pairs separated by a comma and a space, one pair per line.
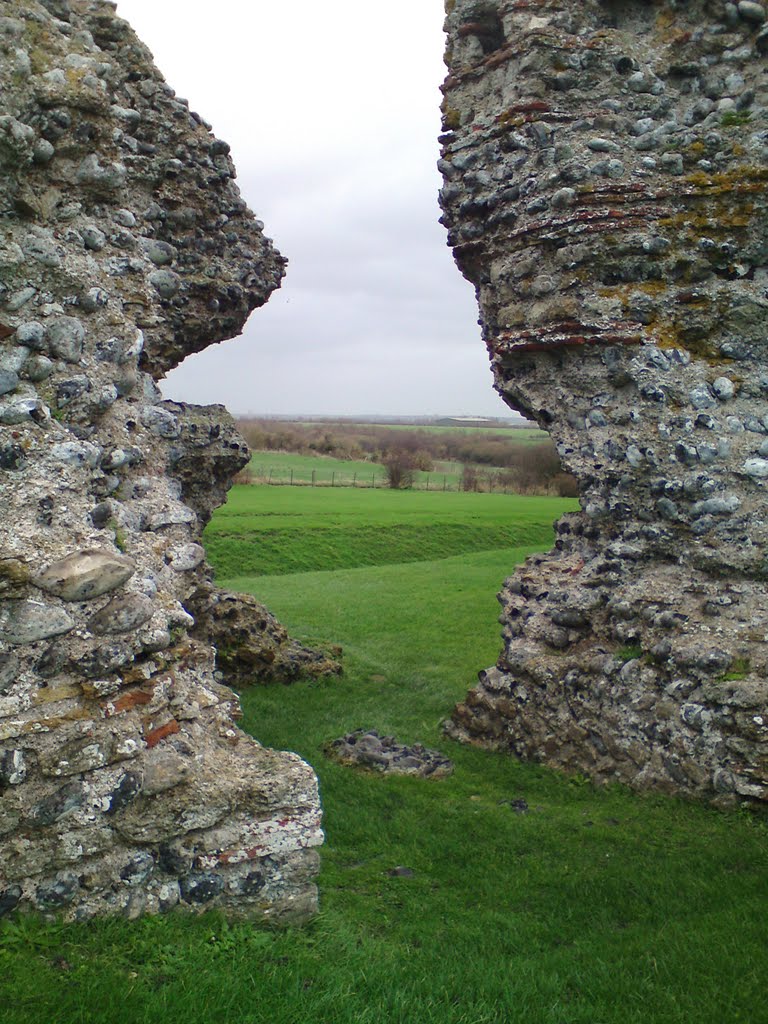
281, 476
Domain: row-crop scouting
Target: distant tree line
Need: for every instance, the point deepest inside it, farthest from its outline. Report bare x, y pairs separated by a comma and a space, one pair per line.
507, 460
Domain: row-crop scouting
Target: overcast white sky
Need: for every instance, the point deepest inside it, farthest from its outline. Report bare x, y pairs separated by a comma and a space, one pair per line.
332, 112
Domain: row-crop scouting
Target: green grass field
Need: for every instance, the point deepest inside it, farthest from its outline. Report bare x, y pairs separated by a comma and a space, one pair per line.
515, 434
275, 530
526, 434
593, 907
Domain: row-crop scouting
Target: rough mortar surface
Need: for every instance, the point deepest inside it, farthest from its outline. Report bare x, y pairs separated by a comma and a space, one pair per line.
125, 786
605, 168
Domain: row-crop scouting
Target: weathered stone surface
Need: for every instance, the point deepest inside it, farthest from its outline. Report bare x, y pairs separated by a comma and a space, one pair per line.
25, 622
122, 615
85, 575
251, 645
604, 189
126, 786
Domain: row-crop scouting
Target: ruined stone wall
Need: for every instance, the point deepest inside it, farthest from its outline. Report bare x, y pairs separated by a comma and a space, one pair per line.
605, 191
124, 246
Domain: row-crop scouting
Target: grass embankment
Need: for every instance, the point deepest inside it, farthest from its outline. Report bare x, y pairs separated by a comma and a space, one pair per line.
593, 907
274, 531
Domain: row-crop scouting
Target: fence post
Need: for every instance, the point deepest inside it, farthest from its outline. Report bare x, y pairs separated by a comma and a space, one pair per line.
313, 477
373, 482
270, 475
354, 479
445, 483
291, 478
333, 479
427, 481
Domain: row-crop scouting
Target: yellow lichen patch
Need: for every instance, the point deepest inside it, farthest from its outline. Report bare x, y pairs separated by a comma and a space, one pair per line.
14, 571
510, 119
52, 694
651, 287
451, 119
742, 178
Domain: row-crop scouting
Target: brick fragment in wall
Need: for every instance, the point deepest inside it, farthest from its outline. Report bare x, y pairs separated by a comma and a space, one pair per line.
126, 786
604, 190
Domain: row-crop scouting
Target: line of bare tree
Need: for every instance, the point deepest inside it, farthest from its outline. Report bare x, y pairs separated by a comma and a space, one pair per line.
508, 460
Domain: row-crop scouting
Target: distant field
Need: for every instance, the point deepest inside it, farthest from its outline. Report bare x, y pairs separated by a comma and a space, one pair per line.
514, 433
322, 470
447, 457
266, 530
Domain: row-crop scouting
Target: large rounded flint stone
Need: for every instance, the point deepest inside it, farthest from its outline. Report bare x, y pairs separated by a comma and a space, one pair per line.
10, 899
201, 886
85, 575
65, 338
24, 622
122, 614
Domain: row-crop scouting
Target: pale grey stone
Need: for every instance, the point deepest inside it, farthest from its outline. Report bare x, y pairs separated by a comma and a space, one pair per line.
600, 145
106, 178
93, 238
9, 381
43, 151
65, 336
724, 388
165, 282
160, 421
25, 622
122, 614
76, 453
93, 299
13, 767
125, 218
757, 468
13, 359
20, 298
9, 670
170, 513
186, 557
160, 253
701, 398
37, 369
84, 575
43, 250
751, 11
722, 505
31, 334
23, 410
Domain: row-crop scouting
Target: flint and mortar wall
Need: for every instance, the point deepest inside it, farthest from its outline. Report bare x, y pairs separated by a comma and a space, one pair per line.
125, 785
605, 191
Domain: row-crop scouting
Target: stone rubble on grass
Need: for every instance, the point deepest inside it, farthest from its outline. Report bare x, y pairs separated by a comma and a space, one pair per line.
367, 749
252, 647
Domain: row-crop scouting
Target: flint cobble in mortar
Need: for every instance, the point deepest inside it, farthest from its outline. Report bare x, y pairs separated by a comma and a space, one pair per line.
605, 177
126, 247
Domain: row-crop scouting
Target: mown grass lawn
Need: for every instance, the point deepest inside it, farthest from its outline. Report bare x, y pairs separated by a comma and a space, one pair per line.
588, 907
276, 530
